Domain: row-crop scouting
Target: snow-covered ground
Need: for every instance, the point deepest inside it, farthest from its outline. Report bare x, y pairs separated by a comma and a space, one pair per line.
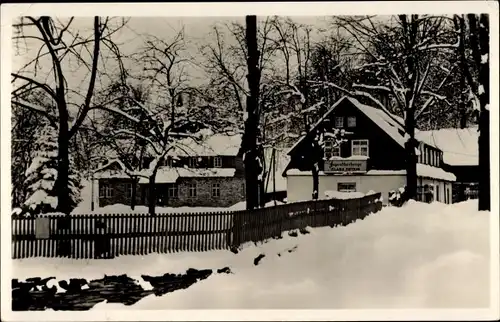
125, 209
417, 256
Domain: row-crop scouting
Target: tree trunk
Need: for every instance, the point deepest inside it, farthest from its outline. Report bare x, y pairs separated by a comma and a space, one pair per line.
410, 32
62, 188
152, 192
134, 193
411, 158
463, 65
484, 116
315, 175
484, 161
63, 195
274, 175
251, 125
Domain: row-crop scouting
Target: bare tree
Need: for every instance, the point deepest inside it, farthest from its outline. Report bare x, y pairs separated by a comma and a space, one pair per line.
478, 33
161, 122
304, 60
251, 136
401, 51
131, 149
227, 60
58, 41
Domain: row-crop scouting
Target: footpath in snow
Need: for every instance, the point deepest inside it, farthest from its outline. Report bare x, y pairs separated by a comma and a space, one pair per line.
417, 256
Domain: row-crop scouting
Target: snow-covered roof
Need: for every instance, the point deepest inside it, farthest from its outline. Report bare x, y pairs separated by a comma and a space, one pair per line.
464, 142
110, 163
427, 171
164, 174
459, 146
389, 123
423, 170
212, 145
170, 175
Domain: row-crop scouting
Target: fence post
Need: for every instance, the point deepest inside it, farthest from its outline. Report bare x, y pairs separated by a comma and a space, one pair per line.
63, 232
102, 241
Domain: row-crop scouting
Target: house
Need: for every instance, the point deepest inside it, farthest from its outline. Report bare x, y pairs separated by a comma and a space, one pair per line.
194, 174
460, 156
372, 157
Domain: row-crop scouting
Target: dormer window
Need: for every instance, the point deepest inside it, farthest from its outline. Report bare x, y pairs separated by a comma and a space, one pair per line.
217, 162
351, 121
339, 122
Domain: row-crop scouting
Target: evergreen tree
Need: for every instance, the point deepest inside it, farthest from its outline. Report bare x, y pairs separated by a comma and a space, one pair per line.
41, 176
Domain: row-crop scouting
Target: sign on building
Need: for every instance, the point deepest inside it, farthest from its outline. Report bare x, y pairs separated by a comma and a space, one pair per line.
42, 228
343, 166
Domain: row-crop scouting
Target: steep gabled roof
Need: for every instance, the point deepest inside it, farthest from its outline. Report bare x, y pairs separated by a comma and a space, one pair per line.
389, 123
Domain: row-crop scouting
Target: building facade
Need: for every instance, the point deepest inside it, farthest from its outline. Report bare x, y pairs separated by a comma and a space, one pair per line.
211, 174
460, 157
371, 156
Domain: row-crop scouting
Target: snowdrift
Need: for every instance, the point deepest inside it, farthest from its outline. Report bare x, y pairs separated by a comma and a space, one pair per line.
418, 256
125, 209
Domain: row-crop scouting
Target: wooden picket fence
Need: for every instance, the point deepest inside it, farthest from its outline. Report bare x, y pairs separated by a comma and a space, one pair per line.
111, 235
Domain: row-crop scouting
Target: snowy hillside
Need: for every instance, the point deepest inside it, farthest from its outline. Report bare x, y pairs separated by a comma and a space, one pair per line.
417, 256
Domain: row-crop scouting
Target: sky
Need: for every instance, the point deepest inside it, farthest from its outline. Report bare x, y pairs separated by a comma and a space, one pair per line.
130, 40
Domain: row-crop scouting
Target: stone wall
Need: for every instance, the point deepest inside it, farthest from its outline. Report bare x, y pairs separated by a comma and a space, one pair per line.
232, 191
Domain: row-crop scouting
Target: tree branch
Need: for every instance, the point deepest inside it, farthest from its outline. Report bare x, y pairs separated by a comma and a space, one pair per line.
38, 109
93, 76
45, 87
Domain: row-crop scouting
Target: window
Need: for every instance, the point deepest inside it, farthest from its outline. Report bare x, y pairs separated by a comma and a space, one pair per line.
351, 121
173, 191
346, 186
105, 191
216, 190
359, 147
192, 190
437, 193
128, 190
331, 149
192, 162
217, 162
169, 162
339, 122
